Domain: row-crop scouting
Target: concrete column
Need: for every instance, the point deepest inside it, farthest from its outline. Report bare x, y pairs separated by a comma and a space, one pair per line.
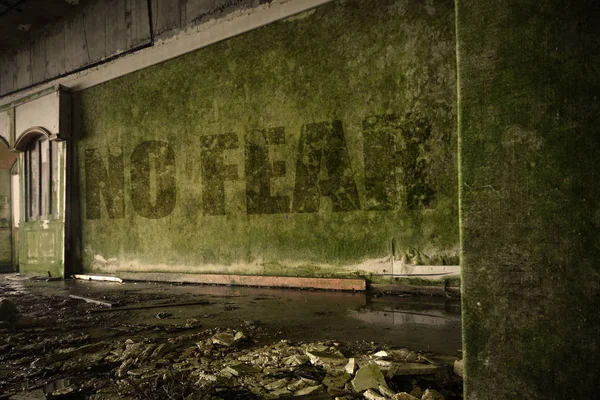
529, 129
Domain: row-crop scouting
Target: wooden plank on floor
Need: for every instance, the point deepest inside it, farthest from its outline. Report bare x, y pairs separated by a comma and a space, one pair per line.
345, 284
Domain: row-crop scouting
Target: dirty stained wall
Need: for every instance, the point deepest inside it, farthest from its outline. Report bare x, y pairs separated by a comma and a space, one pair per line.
323, 144
530, 200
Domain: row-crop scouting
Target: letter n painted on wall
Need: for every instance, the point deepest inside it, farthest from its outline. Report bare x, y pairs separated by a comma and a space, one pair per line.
104, 185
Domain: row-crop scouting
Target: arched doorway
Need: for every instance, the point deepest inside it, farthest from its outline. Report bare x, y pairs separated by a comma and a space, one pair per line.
42, 202
8, 259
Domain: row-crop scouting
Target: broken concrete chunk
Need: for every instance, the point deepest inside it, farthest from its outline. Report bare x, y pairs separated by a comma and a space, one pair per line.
224, 339
382, 354
337, 380
161, 350
283, 392
351, 366
326, 357
278, 384
237, 369
412, 357
317, 347
148, 350
333, 392
431, 394
132, 350
295, 386
309, 390
384, 364
330, 359
8, 310
295, 360
368, 377
373, 395
399, 354
125, 366
459, 369
239, 336
202, 376
309, 382
404, 396
386, 391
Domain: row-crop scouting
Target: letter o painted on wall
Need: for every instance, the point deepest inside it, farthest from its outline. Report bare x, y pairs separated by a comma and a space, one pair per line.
153, 181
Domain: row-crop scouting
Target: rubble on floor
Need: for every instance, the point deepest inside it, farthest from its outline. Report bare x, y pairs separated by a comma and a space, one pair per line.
205, 365
40, 360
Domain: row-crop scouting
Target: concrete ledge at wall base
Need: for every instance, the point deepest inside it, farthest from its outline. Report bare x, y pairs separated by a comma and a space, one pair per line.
343, 284
416, 290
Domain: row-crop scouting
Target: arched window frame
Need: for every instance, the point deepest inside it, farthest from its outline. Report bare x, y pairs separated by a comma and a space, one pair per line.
40, 162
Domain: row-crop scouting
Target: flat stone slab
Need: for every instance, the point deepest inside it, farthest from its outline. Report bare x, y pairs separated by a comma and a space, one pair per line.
368, 377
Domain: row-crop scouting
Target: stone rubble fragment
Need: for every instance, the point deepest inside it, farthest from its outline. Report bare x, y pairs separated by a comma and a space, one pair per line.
373, 395
309, 390
295, 360
368, 377
459, 368
336, 380
351, 366
412, 357
297, 385
404, 396
224, 339
327, 357
386, 391
431, 394
278, 384
382, 354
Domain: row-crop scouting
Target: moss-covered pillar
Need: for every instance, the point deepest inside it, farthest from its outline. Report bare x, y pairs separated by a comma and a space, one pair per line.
529, 128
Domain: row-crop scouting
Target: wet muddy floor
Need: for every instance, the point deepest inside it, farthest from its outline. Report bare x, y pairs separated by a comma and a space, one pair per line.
64, 347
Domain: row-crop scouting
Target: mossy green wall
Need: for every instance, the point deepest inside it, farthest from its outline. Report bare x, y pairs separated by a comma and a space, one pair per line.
306, 147
529, 118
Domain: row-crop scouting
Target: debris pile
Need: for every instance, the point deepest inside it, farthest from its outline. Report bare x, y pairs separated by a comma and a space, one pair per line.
215, 364
73, 359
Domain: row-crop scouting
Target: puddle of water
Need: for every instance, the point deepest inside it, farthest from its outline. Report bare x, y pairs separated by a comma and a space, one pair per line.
429, 324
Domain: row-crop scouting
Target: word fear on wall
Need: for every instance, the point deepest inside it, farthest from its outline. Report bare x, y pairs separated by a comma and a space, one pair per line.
395, 161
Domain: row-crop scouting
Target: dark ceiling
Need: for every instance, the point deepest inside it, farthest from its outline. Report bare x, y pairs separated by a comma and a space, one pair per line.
20, 20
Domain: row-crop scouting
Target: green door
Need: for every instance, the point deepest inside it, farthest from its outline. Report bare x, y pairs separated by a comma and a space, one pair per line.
42, 230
